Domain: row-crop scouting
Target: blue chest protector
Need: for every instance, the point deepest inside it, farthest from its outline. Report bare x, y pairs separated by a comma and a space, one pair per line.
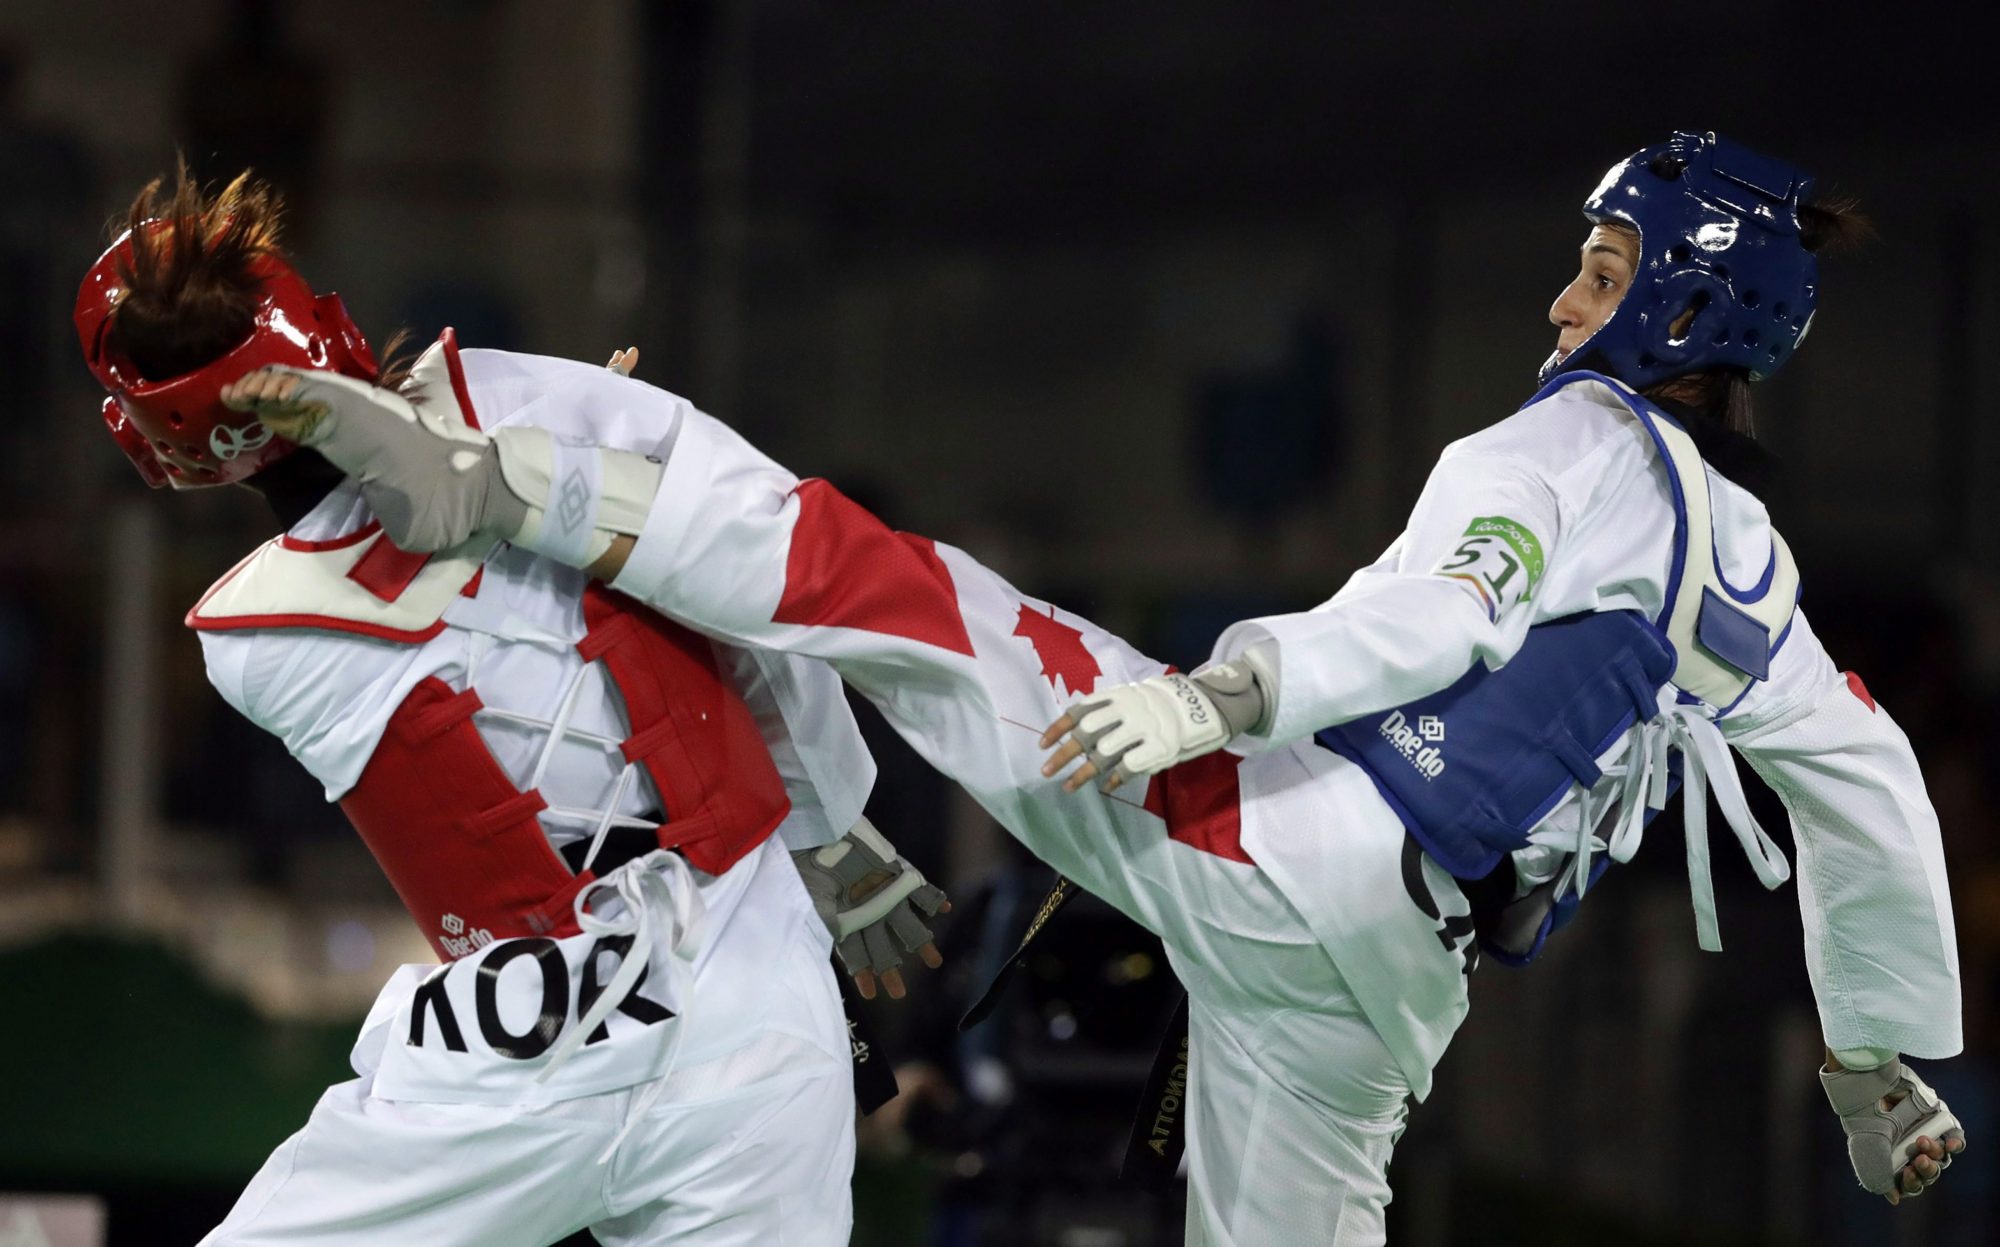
1473, 769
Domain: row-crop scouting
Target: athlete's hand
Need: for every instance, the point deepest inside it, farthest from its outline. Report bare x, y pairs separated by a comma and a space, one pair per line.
875, 903
1900, 1136
1146, 727
434, 483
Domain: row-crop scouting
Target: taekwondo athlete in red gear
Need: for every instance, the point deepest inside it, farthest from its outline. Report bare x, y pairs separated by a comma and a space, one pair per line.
1584, 613
586, 808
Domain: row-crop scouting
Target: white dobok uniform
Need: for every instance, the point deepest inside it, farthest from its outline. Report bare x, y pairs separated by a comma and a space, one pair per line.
1320, 993
748, 1140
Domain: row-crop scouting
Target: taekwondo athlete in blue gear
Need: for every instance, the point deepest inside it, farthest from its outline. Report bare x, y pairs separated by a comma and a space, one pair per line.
1554, 749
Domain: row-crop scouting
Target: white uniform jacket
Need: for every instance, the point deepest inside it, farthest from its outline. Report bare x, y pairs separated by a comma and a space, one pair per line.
1578, 474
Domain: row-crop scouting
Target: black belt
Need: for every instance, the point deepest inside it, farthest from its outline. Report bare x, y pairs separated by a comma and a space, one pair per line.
621, 845
1159, 1128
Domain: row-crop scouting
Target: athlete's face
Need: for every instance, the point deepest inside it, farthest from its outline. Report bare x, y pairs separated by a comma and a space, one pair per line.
1609, 256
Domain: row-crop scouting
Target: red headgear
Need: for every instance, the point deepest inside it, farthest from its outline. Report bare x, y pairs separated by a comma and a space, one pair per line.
176, 431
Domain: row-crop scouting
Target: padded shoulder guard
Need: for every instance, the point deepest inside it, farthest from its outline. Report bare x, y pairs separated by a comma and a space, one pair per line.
1724, 636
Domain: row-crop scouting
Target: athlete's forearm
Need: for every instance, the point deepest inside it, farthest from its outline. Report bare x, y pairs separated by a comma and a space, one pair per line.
612, 561
1871, 861
1388, 641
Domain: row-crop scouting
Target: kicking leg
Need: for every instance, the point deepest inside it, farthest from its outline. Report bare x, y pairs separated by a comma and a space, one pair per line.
1292, 1115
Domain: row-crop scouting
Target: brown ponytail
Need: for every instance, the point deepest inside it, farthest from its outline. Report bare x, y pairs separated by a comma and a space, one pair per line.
1834, 224
190, 296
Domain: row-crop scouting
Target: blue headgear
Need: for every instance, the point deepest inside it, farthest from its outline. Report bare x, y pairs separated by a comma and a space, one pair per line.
1719, 233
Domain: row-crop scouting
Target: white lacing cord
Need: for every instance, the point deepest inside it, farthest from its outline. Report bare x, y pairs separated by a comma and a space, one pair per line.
560, 729
610, 816
659, 887
1641, 781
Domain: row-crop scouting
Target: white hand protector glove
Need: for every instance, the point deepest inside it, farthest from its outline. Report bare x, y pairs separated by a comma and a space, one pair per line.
1882, 1141
874, 903
435, 483
1162, 721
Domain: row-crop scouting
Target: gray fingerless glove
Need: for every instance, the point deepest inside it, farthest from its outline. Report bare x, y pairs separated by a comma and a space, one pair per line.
1881, 1141
434, 483
873, 901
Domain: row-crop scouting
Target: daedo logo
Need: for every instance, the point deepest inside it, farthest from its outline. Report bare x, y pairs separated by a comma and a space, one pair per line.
1422, 745
457, 944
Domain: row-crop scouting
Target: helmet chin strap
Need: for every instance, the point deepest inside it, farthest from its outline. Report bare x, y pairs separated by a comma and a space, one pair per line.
1585, 358
1549, 367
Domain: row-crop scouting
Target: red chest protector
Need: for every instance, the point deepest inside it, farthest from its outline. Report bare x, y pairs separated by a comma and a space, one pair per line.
459, 842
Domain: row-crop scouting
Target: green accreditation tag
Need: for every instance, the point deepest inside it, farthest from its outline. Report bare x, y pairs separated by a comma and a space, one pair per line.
1499, 560
1516, 535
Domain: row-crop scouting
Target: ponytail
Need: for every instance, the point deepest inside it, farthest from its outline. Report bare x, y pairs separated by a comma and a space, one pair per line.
189, 294
1829, 225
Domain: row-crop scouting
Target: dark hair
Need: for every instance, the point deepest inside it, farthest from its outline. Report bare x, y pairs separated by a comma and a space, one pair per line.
190, 295
1829, 225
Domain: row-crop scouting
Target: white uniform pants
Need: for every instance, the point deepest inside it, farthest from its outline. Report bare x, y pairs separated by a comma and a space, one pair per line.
1292, 1114
767, 1165
749, 1143
1293, 1101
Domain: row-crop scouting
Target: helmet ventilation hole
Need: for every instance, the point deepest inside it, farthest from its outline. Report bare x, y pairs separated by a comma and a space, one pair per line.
176, 419
1679, 253
1751, 298
1722, 338
1751, 337
1647, 361
1722, 271
1781, 311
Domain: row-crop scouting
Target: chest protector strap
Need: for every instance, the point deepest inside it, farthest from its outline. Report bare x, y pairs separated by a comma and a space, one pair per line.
462, 845
459, 843
691, 732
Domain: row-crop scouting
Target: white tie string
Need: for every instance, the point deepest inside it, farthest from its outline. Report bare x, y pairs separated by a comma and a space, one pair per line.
656, 888
1707, 761
1642, 777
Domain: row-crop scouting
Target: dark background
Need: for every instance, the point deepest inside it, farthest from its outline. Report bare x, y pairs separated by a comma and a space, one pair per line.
1163, 309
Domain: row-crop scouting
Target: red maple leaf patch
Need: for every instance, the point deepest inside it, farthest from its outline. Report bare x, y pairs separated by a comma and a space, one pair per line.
1061, 649
1856, 687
